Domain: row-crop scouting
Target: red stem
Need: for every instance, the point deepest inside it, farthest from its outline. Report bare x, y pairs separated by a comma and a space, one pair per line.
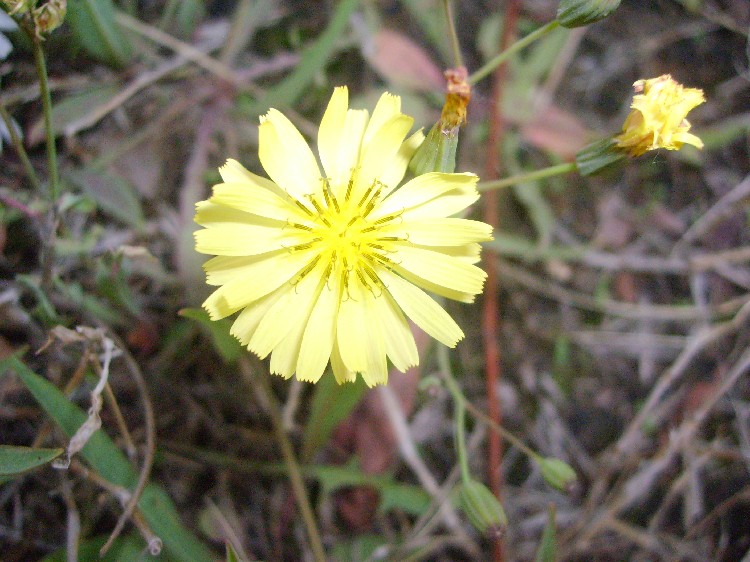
491, 311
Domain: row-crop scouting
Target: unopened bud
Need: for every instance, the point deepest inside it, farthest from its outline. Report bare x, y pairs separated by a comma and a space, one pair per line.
576, 13
557, 473
482, 508
49, 16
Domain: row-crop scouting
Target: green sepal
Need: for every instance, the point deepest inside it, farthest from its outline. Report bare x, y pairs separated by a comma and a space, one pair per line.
437, 153
598, 156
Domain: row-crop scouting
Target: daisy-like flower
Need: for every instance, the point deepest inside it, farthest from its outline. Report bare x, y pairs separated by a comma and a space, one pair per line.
657, 119
328, 266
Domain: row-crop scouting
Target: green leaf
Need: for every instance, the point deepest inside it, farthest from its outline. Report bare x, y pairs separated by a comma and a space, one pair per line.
313, 60
15, 460
548, 547
107, 459
95, 29
124, 549
331, 403
71, 109
225, 343
112, 193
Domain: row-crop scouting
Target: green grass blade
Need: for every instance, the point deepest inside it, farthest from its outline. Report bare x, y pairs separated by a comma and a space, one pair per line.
107, 459
289, 90
15, 460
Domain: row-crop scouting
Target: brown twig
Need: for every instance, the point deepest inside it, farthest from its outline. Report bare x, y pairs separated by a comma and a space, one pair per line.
491, 310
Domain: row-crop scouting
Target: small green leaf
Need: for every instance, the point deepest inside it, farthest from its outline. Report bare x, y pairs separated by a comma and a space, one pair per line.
113, 194
95, 29
15, 460
598, 157
331, 403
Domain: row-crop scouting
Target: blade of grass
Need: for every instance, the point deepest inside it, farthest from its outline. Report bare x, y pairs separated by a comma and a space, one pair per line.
289, 90
107, 459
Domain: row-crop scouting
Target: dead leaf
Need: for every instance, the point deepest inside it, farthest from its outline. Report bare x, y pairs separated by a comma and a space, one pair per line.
403, 63
556, 131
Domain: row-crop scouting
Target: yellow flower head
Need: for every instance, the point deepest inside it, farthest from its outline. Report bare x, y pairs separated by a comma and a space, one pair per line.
328, 266
657, 119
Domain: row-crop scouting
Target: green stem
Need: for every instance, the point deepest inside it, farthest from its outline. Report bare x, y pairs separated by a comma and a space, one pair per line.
557, 170
457, 58
41, 70
459, 397
517, 46
460, 413
295, 473
18, 145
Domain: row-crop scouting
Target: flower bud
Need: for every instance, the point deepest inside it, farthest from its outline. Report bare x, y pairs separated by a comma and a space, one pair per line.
482, 508
576, 13
557, 473
438, 151
49, 16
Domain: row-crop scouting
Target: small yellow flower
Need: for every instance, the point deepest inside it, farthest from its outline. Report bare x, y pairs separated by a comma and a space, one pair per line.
327, 267
657, 119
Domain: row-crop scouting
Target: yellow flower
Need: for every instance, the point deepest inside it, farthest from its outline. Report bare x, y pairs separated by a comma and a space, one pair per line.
657, 119
329, 267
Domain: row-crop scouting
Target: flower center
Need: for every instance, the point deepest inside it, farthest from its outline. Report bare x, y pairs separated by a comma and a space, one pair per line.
340, 234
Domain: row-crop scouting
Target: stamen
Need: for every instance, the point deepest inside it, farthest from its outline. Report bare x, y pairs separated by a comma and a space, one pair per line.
329, 195
301, 206
300, 226
306, 271
305, 245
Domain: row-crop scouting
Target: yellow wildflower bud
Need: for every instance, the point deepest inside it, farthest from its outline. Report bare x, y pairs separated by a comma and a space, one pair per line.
657, 119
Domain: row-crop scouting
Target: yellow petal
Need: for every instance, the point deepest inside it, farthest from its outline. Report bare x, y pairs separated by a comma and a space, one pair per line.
441, 269
234, 172
399, 341
286, 156
441, 231
250, 198
339, 138
388, 107
240, 239
267, 275
430, 195
317, 341
351, 332
381, 151
377, 362
248, 320
394, 172
287, 312
421, 309
340, 371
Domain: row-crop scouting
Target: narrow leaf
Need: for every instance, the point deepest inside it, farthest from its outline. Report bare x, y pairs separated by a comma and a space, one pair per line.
14, 460
107, 459
95, 29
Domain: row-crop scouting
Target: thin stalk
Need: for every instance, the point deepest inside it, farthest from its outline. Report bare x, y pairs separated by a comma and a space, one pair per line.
293, 468
459, 398
41, 70
18, 145
556, 170
507, 53
455, 47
